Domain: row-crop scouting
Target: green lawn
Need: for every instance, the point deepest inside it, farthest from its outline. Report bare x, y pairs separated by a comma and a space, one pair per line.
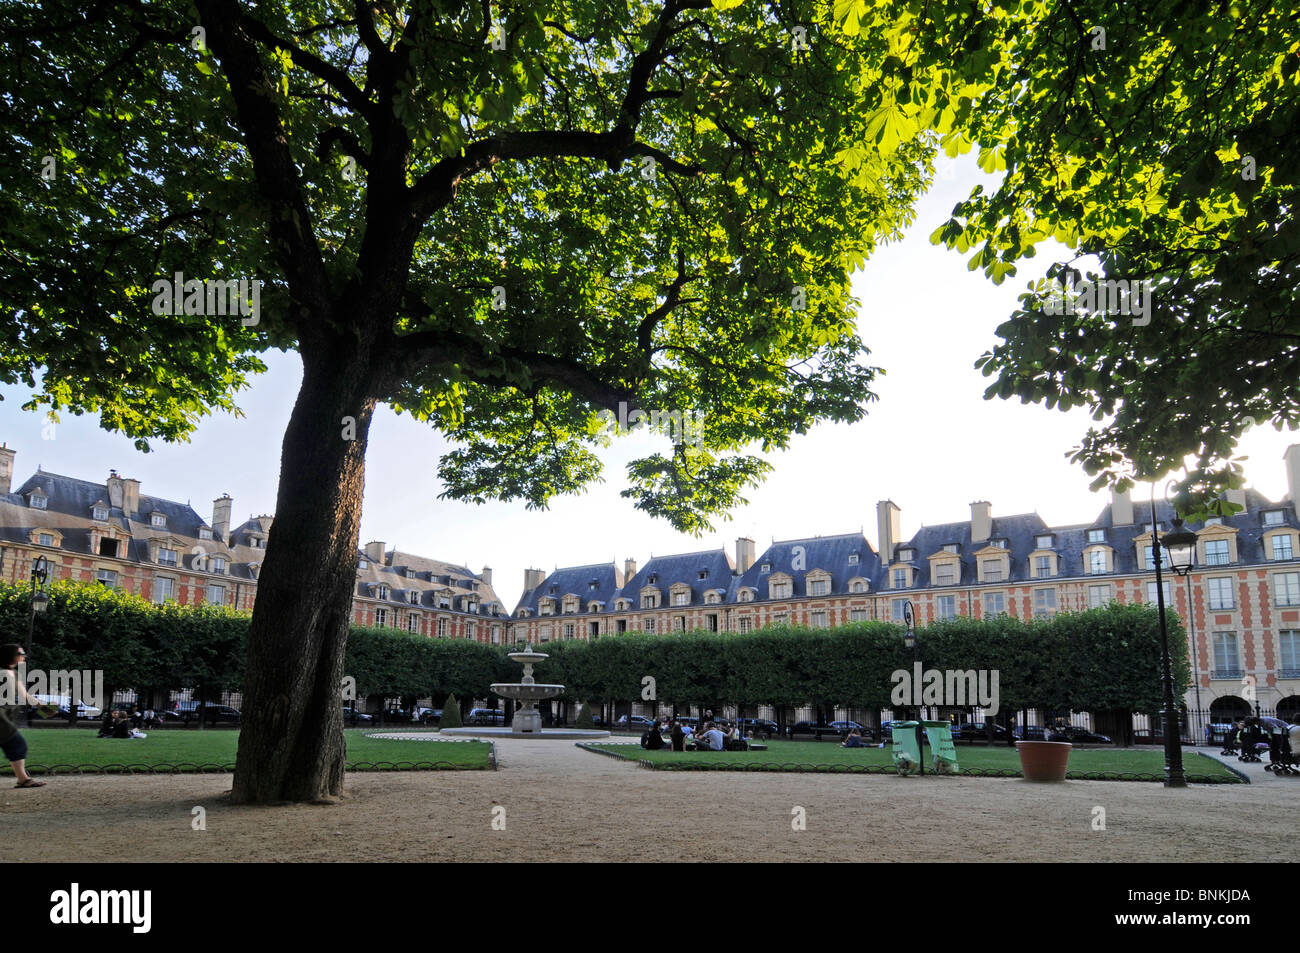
1103, 764
68, 751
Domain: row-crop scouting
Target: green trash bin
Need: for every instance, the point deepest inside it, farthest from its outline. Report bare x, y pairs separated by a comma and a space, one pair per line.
907, 749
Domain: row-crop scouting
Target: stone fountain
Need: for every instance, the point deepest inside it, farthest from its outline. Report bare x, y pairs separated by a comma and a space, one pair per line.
527, 722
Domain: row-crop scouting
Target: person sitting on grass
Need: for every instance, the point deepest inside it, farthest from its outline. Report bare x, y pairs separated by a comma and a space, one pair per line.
854, 740
678, 735
711, 740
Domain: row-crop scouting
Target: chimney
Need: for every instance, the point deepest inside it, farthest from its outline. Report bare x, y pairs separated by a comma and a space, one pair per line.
1121, 508
375, 552
486, 576
1237, 497
131, 497
981, 523
744, 554
115, 492
221, 517
889, 526
533, 578
6, 468
629, 570
1292, 458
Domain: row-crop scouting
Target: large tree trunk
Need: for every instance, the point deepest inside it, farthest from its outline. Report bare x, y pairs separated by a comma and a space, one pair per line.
291, 747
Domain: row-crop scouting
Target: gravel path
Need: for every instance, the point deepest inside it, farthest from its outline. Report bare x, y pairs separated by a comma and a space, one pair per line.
562, 803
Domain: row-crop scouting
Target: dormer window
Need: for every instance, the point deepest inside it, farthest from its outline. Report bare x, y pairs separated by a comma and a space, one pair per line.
414, 597
363, 563
593, 586
1043, 542
652, 579
853, 559
712, 598
1096, 536
906, 555
167, 557
204, 532
40, 501
100, 513
1273, 518
381, 592
857, 585
158, 521
218, 564
951, 548
999, 543
704, 574
766, 567
746, 595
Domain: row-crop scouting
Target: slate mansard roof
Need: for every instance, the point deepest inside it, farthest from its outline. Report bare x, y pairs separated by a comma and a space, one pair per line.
430, 580
1019, 535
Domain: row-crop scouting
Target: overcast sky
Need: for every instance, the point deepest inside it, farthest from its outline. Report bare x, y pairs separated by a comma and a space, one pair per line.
931, 443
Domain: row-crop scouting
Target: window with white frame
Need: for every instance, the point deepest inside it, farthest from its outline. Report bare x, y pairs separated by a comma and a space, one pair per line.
853, 559
442, 628
106, 577
412, 623
45, 539
167, 557
649, 600
779, 589
896, 609
744, 624
470, 629
158, 520
381, 617
216, 594
1227, 663
543, 632
1289, 656
682, 597
857, 615
100, 513
1044, 601
218, 564
1165, 591
995, 603
38, 501
164, 588
1098, 596
679, 623
1216, 552
712, 598
649, 625
1286, 588
819, 587
951, 548
1096, 536
906, 555
899, 579
1273, 518
945, 574
818, 619
568, 630
746, 595
946, 607
780, 618
496, 635
991, 570
570, 604
381, 592
204, 532
1097, 562
1043, 567
1282, 547
1221, 593
857, 585
1043, 542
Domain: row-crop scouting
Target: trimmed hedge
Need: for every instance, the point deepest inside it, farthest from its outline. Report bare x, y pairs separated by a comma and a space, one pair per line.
1105, 659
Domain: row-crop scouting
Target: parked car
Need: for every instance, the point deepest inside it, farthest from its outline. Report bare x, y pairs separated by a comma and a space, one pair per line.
977, 731
846, 726
219, 714
1076, 735
353, 717
759, 726
636, 722
812, 728
486, 716
428, 716
887, 732
1030, 733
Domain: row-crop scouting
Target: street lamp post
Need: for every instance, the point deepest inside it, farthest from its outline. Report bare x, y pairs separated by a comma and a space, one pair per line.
910, 640
1180, 544
40, 601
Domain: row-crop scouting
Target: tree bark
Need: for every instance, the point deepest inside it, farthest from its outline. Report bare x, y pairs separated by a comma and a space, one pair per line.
292, 747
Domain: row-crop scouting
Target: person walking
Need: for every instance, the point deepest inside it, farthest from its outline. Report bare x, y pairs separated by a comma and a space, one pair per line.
13, 694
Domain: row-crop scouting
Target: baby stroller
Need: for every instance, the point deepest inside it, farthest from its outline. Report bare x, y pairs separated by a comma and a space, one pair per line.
1251, 737
1281, 758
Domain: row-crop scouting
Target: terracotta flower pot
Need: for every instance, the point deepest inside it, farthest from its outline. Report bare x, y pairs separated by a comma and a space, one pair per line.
1044, 760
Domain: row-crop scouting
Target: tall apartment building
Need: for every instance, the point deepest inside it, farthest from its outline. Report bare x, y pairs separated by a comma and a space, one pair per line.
159, 549
1240, 604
